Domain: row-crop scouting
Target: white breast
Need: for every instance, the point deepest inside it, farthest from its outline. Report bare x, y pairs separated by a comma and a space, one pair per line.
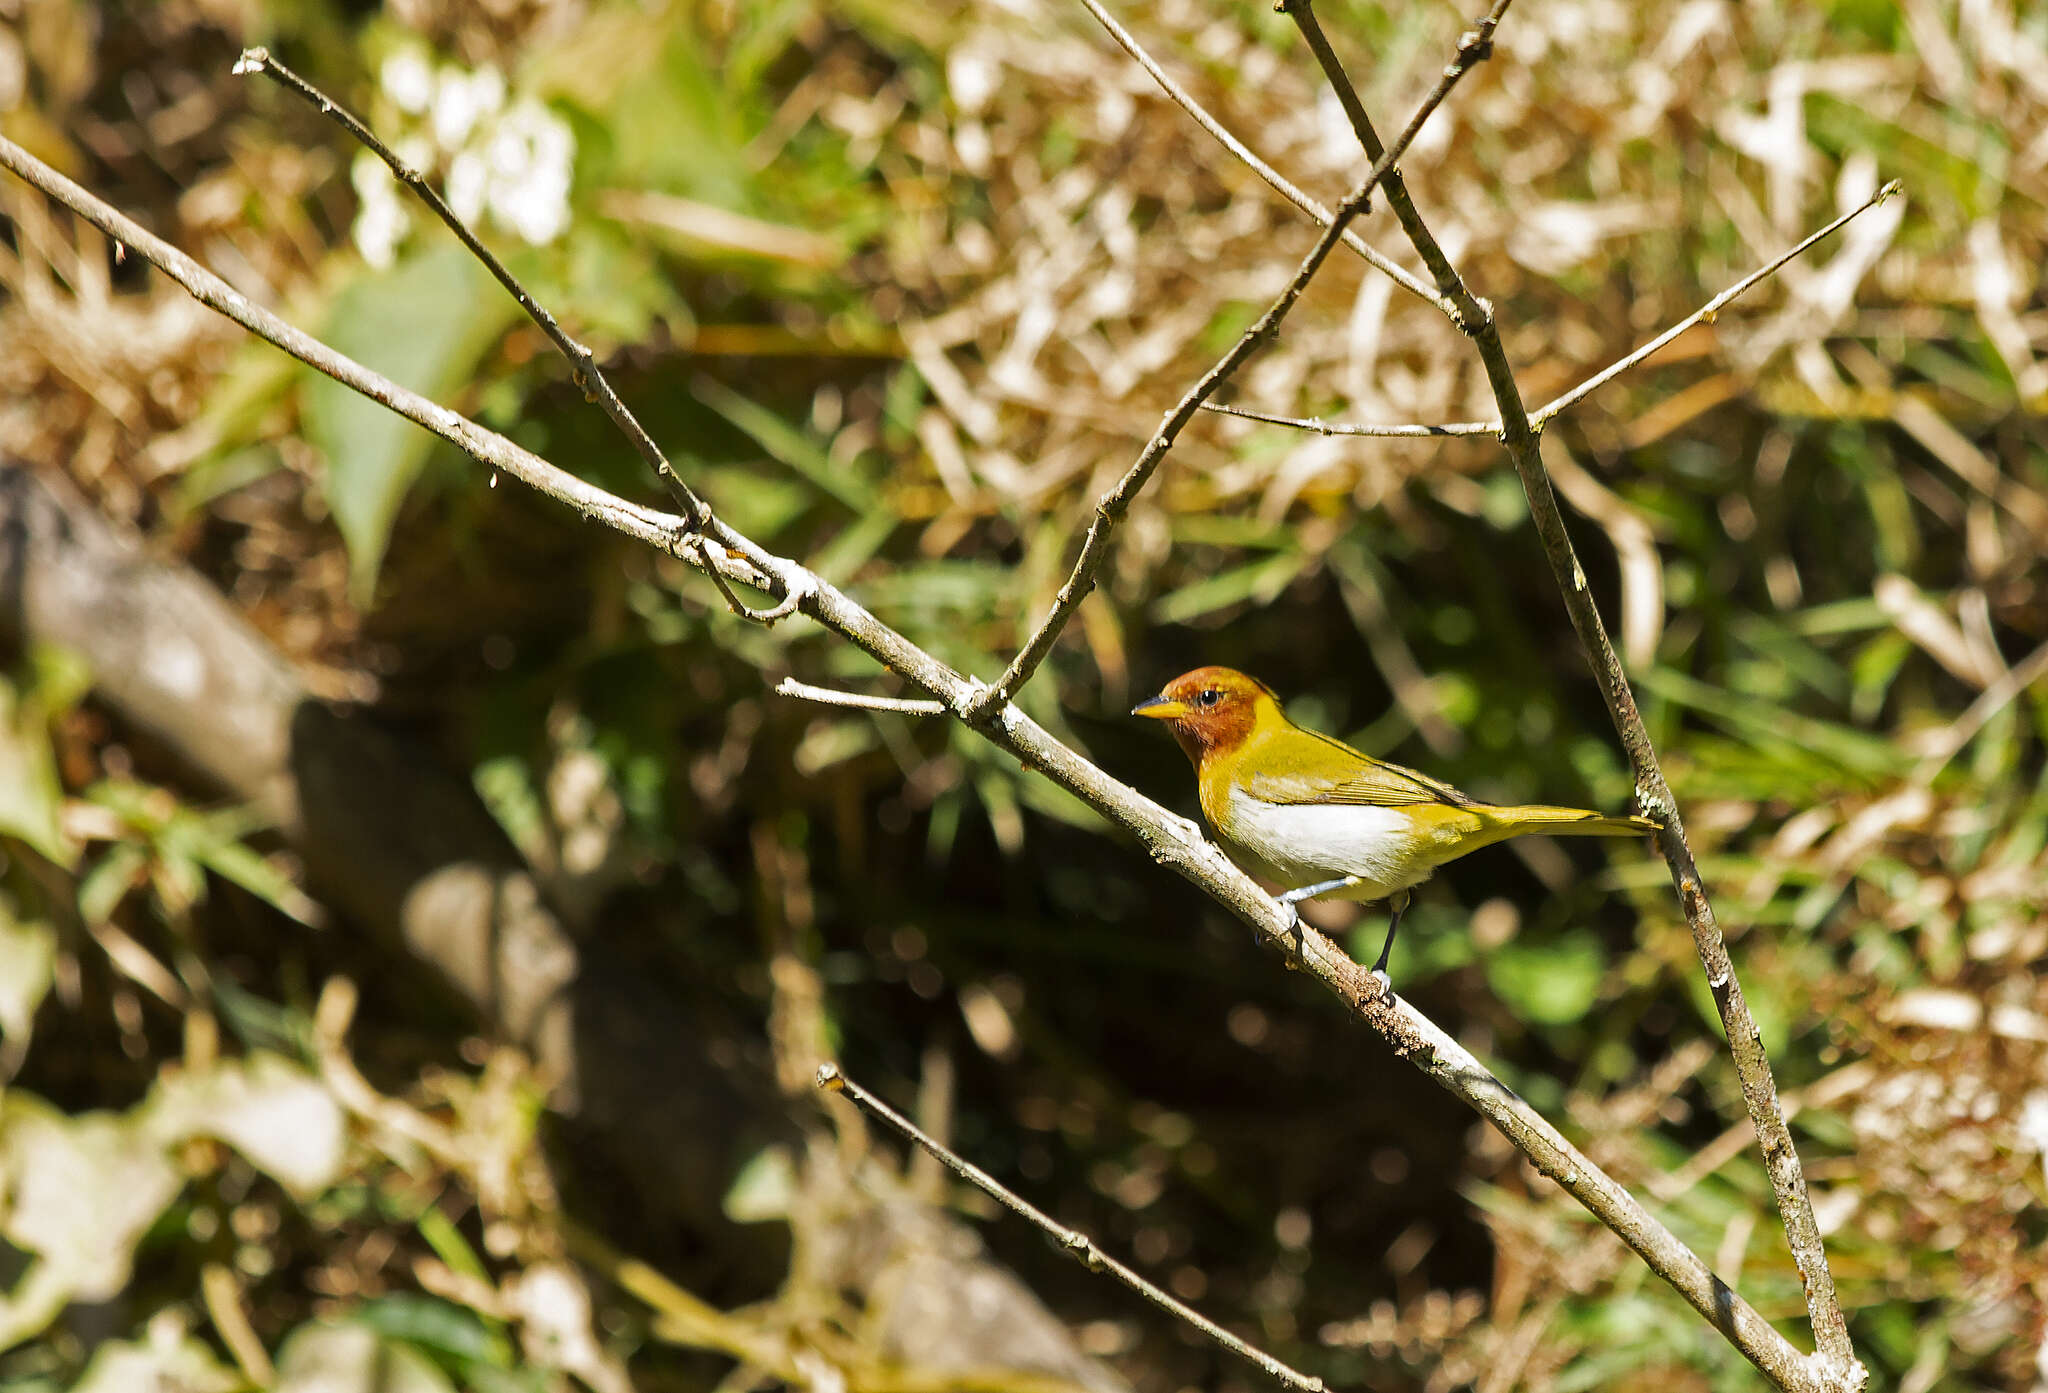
1301, 844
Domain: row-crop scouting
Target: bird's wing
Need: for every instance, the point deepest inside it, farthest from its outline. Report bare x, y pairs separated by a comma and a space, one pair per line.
1355, 780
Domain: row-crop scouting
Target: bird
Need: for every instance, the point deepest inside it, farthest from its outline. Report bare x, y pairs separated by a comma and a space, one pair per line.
1309, 812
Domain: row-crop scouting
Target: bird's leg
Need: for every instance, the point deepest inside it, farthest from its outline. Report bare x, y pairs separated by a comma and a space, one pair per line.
1292, 898
1398, 903
1321, 887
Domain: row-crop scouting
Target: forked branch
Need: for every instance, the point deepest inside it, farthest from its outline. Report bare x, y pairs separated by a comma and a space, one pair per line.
1835, 1360
697, 514
1199, 114
1542, 416
1170, 839
1474, 47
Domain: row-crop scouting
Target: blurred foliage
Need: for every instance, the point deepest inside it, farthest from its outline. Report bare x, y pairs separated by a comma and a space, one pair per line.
901, 289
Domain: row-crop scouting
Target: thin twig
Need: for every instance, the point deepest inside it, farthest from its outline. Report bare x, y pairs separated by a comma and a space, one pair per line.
1538, 419
1834, 1364
1993, 699
1464, 311
583, 366
581, 360
1706, 313
1474, 46
832, 696
1072, 1242
1169, 838
1316, 425
1185, 100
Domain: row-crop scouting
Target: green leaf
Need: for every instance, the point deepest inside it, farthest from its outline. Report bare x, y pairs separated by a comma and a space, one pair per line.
1872, 671
1260, 581
230, 427
263, 1025
505, 782
448, 1244
784, 443
1048, 799
854, 547
672, 124
259, 875
758, 503
1552, 982
452, 1333
1766, 723
425, 324
102, 888
31, 797
58, 678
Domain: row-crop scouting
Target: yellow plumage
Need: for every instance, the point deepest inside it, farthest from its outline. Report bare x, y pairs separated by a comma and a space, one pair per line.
1322, 818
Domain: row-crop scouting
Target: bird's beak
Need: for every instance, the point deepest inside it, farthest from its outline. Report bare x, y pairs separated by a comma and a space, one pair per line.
1160, 708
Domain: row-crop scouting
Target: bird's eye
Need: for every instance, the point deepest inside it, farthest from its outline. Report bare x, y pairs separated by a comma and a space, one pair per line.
1210, 697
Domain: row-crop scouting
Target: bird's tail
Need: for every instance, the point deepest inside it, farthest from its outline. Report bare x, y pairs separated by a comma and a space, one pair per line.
1538, 818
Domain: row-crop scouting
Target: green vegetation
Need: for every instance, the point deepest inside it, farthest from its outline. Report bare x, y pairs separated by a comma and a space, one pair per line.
900, 290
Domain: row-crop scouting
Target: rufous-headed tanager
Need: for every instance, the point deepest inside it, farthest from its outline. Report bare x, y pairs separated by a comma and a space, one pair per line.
1316, 815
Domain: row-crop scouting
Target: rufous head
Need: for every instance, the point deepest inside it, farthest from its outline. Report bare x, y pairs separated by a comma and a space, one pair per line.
1211, 710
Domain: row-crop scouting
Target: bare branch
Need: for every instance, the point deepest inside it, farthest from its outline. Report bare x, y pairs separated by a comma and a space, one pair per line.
1474, 46
830, 696
1075, 1244
258, 60
582, 362
1706, 313
1182, 98
1315, 425
1170, 839
782, 609
1538, 419
1834, 1364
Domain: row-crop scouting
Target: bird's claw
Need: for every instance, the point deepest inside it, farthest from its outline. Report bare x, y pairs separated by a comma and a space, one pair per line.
1379, 975
1293, 928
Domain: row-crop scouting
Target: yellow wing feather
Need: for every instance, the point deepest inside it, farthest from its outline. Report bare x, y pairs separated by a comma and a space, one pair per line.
1341, 774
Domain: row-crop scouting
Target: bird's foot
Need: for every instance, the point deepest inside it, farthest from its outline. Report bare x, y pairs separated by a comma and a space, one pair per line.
1379, 975
1293, 929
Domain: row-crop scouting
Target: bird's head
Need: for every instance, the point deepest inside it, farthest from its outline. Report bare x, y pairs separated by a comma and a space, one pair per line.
1212, 710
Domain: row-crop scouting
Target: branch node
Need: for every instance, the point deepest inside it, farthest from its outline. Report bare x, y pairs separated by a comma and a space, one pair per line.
1473, 318
1654, 804
798, 585
981, 699
1083, 1251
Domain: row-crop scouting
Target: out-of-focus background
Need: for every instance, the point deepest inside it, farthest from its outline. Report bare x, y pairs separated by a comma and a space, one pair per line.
420, 919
